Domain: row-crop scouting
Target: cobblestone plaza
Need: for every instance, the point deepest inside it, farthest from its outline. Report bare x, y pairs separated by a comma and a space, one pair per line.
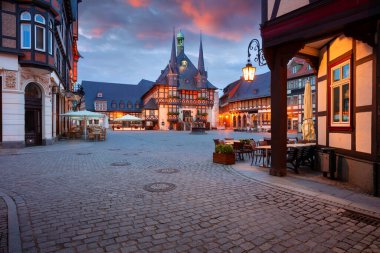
160, 192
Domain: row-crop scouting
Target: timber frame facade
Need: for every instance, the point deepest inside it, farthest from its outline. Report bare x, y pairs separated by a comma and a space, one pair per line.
38, 68
340, 39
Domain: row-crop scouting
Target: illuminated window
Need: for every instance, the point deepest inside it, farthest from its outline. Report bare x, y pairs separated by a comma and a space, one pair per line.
340, 94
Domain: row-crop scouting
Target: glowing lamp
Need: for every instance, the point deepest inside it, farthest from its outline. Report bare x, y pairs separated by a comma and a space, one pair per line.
249, 72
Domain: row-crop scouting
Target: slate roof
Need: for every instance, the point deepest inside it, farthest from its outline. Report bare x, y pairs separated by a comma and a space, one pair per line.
151, 105
258, 88
303, 71
186, 78
117, 92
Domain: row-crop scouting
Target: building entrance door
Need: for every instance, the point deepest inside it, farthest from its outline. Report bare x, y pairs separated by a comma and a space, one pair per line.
33, 115
1, 110
187, 116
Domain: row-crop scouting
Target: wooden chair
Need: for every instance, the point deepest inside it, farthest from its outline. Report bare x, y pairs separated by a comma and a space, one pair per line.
291, 157
91, 136
238, 150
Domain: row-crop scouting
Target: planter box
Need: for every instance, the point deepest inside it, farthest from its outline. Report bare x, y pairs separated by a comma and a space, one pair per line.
223, 158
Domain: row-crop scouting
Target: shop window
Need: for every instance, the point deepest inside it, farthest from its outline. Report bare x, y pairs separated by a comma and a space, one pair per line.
340, 98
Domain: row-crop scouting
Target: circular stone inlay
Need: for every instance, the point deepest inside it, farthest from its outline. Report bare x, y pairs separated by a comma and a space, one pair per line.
120, 164
159, 187
167, 171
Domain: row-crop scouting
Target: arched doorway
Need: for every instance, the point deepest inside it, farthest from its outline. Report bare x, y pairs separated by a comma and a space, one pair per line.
244, 121
234, 122
33, 115
239, 121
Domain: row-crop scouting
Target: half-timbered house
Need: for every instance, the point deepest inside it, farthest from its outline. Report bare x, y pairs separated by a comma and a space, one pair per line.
38, 65
340, 39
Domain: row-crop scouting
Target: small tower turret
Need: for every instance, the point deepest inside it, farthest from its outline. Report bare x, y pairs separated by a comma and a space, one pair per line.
180, 42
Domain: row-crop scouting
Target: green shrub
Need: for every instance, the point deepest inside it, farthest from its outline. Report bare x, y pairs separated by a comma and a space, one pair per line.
245, 141
224, 149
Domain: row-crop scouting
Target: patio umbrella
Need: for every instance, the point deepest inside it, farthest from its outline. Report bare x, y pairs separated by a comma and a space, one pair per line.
128, 117
85, 115
308, 132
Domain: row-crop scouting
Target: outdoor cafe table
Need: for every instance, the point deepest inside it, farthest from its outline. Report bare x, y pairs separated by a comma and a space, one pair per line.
269, 147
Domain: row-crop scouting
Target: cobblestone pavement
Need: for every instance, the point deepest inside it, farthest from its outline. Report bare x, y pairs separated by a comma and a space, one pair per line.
3, 226
92, 199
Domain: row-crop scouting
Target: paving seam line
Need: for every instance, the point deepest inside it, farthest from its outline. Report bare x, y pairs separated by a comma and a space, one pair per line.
306, 195
14, 237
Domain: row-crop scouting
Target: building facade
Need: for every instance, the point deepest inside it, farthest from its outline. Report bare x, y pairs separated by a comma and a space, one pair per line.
114, 99
182, 93
246, 106
38, 66
181, 96
340, 39
299, 72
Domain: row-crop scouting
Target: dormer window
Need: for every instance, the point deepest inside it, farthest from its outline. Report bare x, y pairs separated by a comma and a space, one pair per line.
121, 105
113, 104
129, 105
294, 69
137, 105
99, 95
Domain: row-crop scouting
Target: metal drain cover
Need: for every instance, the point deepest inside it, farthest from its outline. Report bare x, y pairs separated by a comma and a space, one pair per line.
84, 153
369, 220
159, 187
120, 164
114, 149
167, 171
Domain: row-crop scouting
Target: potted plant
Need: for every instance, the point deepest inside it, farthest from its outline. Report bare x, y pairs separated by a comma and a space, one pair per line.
224, 154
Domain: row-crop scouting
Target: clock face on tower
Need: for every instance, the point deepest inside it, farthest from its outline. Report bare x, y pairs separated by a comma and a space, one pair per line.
183, 66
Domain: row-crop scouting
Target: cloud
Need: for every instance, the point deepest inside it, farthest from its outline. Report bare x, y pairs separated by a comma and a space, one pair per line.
120, 38
138, 3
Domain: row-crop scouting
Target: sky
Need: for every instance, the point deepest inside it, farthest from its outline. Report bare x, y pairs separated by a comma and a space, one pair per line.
124, 41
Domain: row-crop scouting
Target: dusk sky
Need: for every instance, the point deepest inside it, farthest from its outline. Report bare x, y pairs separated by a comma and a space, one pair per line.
124, 41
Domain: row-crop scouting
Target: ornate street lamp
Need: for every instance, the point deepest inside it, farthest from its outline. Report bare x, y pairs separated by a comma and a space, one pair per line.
249, 70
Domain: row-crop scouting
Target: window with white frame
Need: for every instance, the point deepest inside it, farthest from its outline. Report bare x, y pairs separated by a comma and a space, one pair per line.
340, 94
26, 30
39, 32
100, 106
50, 38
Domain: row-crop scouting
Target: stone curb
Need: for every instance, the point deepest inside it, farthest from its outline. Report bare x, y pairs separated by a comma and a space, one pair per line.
331, 200
14, 238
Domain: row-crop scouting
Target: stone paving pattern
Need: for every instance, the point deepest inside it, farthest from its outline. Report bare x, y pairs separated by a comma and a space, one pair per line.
71, 199
3, 226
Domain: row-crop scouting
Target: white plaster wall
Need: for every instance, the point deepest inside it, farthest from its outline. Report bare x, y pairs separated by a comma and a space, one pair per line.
286, 6
340, 46
364, 80
362, 50
322, 130
322, 96
363, 132
13, 116
163, 116
340, 140
8, 61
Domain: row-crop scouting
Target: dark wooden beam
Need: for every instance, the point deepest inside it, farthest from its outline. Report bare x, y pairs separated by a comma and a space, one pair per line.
278, 59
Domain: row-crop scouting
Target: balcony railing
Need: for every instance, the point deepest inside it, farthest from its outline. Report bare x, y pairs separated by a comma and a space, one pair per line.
183, 101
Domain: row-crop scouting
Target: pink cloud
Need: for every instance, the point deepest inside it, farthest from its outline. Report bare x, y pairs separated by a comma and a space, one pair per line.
222, 19
138, 3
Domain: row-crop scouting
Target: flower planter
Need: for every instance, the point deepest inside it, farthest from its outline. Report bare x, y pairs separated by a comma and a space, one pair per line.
223, 158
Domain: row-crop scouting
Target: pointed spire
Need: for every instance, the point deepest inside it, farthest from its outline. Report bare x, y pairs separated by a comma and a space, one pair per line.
173, 56
201, 63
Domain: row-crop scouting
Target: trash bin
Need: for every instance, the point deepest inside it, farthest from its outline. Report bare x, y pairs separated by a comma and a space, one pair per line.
328, 163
